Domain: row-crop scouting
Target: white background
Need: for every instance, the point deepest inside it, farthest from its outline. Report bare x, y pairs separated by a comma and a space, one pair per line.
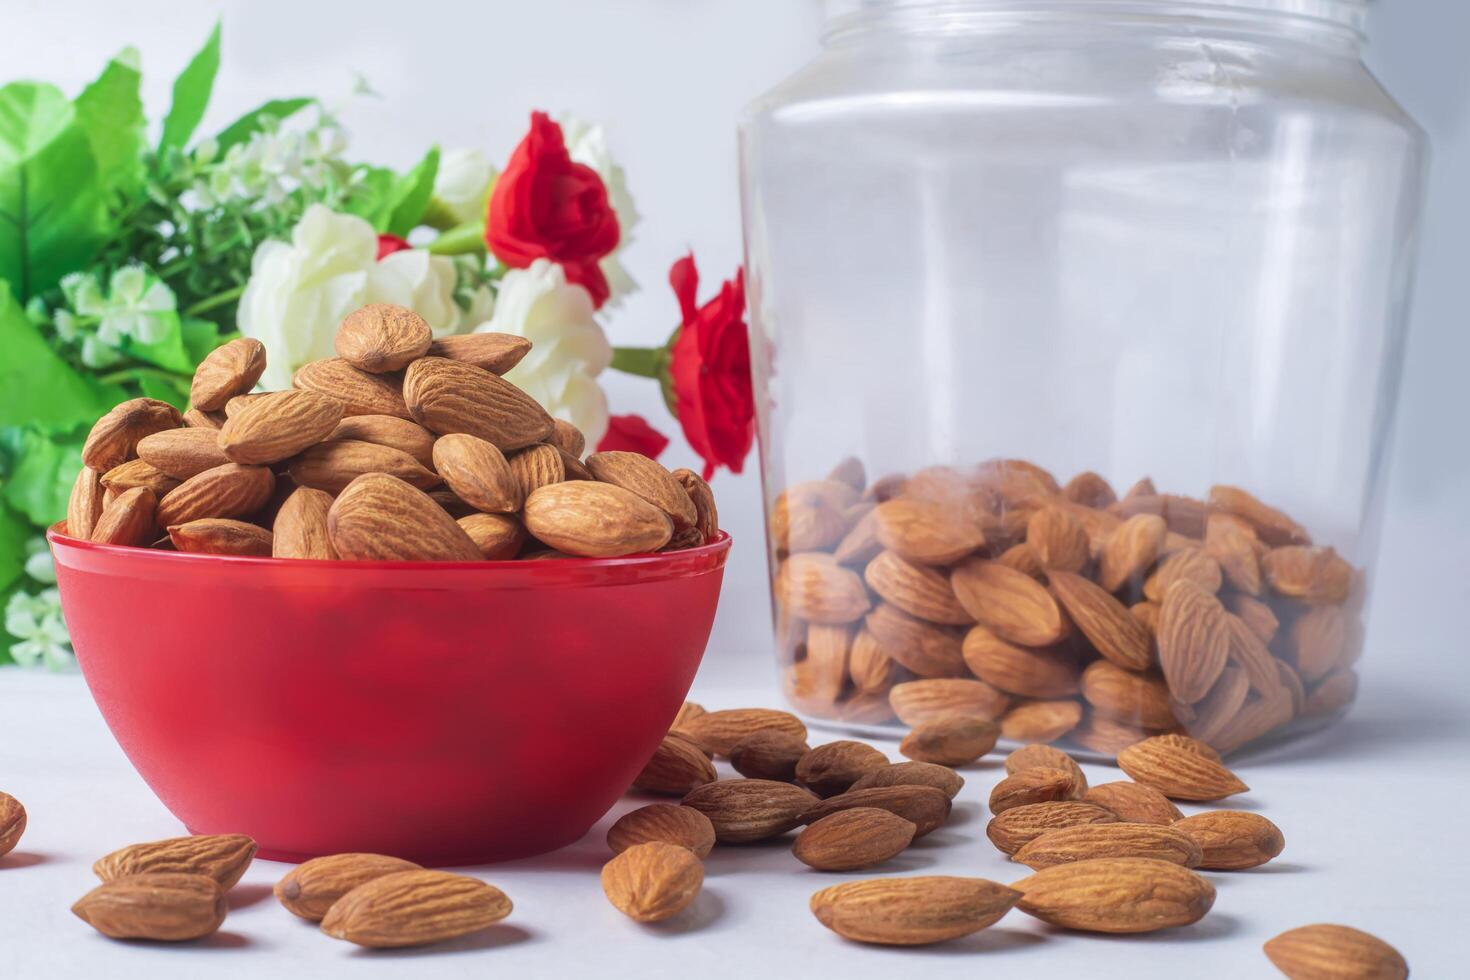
1371, 805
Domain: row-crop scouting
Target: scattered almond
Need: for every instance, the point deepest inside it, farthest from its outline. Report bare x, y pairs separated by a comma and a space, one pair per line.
718, 731
858, 837
665, 822
677, 766
163, 906
1012, 829
12, 823
312, 887
1033, 785
1086, 842
926, 807
411, 908
1333, 952
768, 754
1116, 895
1047, 757
1178, 772
653, 881
942, 778
1231, 840
950, 741
1134, 803
911, 911
745, 810
222, 857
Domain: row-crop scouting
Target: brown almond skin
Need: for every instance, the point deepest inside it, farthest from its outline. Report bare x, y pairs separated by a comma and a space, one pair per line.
230, 490
279, 425
930, 699
666, 822
677, 767
746, 810
952, 741
1088, 841
1194, 641
1012, 604
493, 352
411, 908
388, 430
912, 911
137, 473
1130, 551
926, 807
639, 474
182, 453
300, 528
718, 731
12, 823
1047, 757
1128, 696
942, 778
1134, 803
221, 536
223, 857
229, 370
1040, 721
333, 464
360, 392
768, 754
850, 839
84, 507
312, 887
381, 518
595, 520
1178, 773
163, 906
1034, 785
1014, 828
1116, 895
1232, 840
652, 882
115, 436
447, 396
129, 519
1333, 952
1113, 630
382, 337
830, 769
478, 473
498, 536
813, 587
196, 419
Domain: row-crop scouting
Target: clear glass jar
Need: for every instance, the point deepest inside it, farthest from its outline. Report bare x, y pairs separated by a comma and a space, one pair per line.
1077, 327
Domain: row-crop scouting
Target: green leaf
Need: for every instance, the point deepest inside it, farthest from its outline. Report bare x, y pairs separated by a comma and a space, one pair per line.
200, 337
411, 194
110, 112
36, 385
191, 95
253, 121
174, 390
15, 530
168, 353
52, 214
45, 469
370, 195
465, 239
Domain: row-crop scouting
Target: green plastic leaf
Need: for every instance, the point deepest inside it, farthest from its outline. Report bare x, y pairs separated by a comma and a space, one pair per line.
411, 194
253, 121
200, 337
371, 194
36, 385
168, 352
45, 469
191, 95
465, 239
173, 390
14, 532
53, 217
110, 112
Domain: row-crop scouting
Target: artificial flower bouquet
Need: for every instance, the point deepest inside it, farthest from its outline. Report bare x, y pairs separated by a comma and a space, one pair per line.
125, 259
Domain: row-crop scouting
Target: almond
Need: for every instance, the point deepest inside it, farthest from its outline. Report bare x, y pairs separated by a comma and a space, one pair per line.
312, 887
1107, 736
222, 857
1059, 540
1214, 714
677, 766
951, 741
1023, 558
84, 507
182, 453
1231, 840
279, 425
1183, 515
1019, 670
221, 536
1012, 829
1090, 490
1032, 785
388, 430
129, 519
745, 810
1273, 527
850, 839
1311, 574
1130, 551
664, 822
916, 589
478, 473
1106, 622
1047, 757
719, 731
411, 908
1011, 603
653, 881
1333, 952
570, 440
768, 754
870, 669
926, 532
537, 466
1138, 699
1317, 639
814, 587
498, 536
1177, 772
646, 478
596, 520
382, 337
115, 436
1257, 615
12, 823
229, 370
810, 516
164, 906
917, 702
830, 769
706, 517
447, 396
239, 403
1335, 692
926, 807
1189, 564
300, 528
926, 649
688, 711
195, 419
493, 352
1249, 651
359, 392
850, 471
1143, 488
942, 778
1147, 613
911, 911
1086, 842
332, 465
1134, 803
1040, 721
381, 518
1234, 546
1116, 895
1194, 640
230, 490
137, 473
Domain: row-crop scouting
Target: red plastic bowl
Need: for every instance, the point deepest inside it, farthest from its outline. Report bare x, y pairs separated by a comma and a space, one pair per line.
448, 713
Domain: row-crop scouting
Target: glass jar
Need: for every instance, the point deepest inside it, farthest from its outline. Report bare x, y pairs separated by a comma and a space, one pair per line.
1077, 328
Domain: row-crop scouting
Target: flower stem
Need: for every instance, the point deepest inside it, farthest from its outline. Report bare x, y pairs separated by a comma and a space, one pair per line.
645, 362
218, 299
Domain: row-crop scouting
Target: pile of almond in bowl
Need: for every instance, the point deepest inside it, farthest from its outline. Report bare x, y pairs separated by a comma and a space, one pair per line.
402, 448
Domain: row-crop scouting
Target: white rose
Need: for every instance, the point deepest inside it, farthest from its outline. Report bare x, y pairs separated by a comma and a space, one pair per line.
569, 350
422, 282
587, 145
299, 291
463, 183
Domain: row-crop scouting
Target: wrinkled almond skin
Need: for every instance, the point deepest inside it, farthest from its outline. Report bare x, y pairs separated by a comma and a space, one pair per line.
1334, 952
830, 769
1013, 604
1040, 721
84, 507
1106, 622
1310, 574
926, 807
537, 466
745, 810
1135, 698
677, 767
1273, 527
1058, 540
706, 515
333, 464
666, 822
1134, 803
916, 589
312, 887
411, 908
568, 438
221, 536
229, 370
382, 337
1194, 641
388, 430
128, 520
1012, 829
1047, 757
163, 906
12, 823
182, 453
1019, 670
942, 778
645, 477
1086, 842
1116, 895
478, 473
1033, 785
381, 518
813, 587
911, 911
493, 352
951, 741
918, 702
1177, 772
196, 419
595, 520
1189, 564
300, 528
279, 425
447, 396
1232, 840
222, 857
115, 436
927, 649
926, 532
230, 490
1130, 551
718, 732
498, 536
850, 839
652, 882
137, 473
360, 392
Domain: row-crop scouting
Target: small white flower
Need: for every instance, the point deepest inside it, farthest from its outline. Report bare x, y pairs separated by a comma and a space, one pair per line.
587, 145
463, 183
139, 305
37, 623
569, 350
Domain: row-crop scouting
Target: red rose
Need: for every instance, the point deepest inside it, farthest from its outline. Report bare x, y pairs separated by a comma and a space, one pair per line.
710, 370
544, 206
632, 433
388, 244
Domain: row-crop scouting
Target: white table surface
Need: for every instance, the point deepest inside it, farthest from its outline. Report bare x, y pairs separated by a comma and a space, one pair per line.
1373, 813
